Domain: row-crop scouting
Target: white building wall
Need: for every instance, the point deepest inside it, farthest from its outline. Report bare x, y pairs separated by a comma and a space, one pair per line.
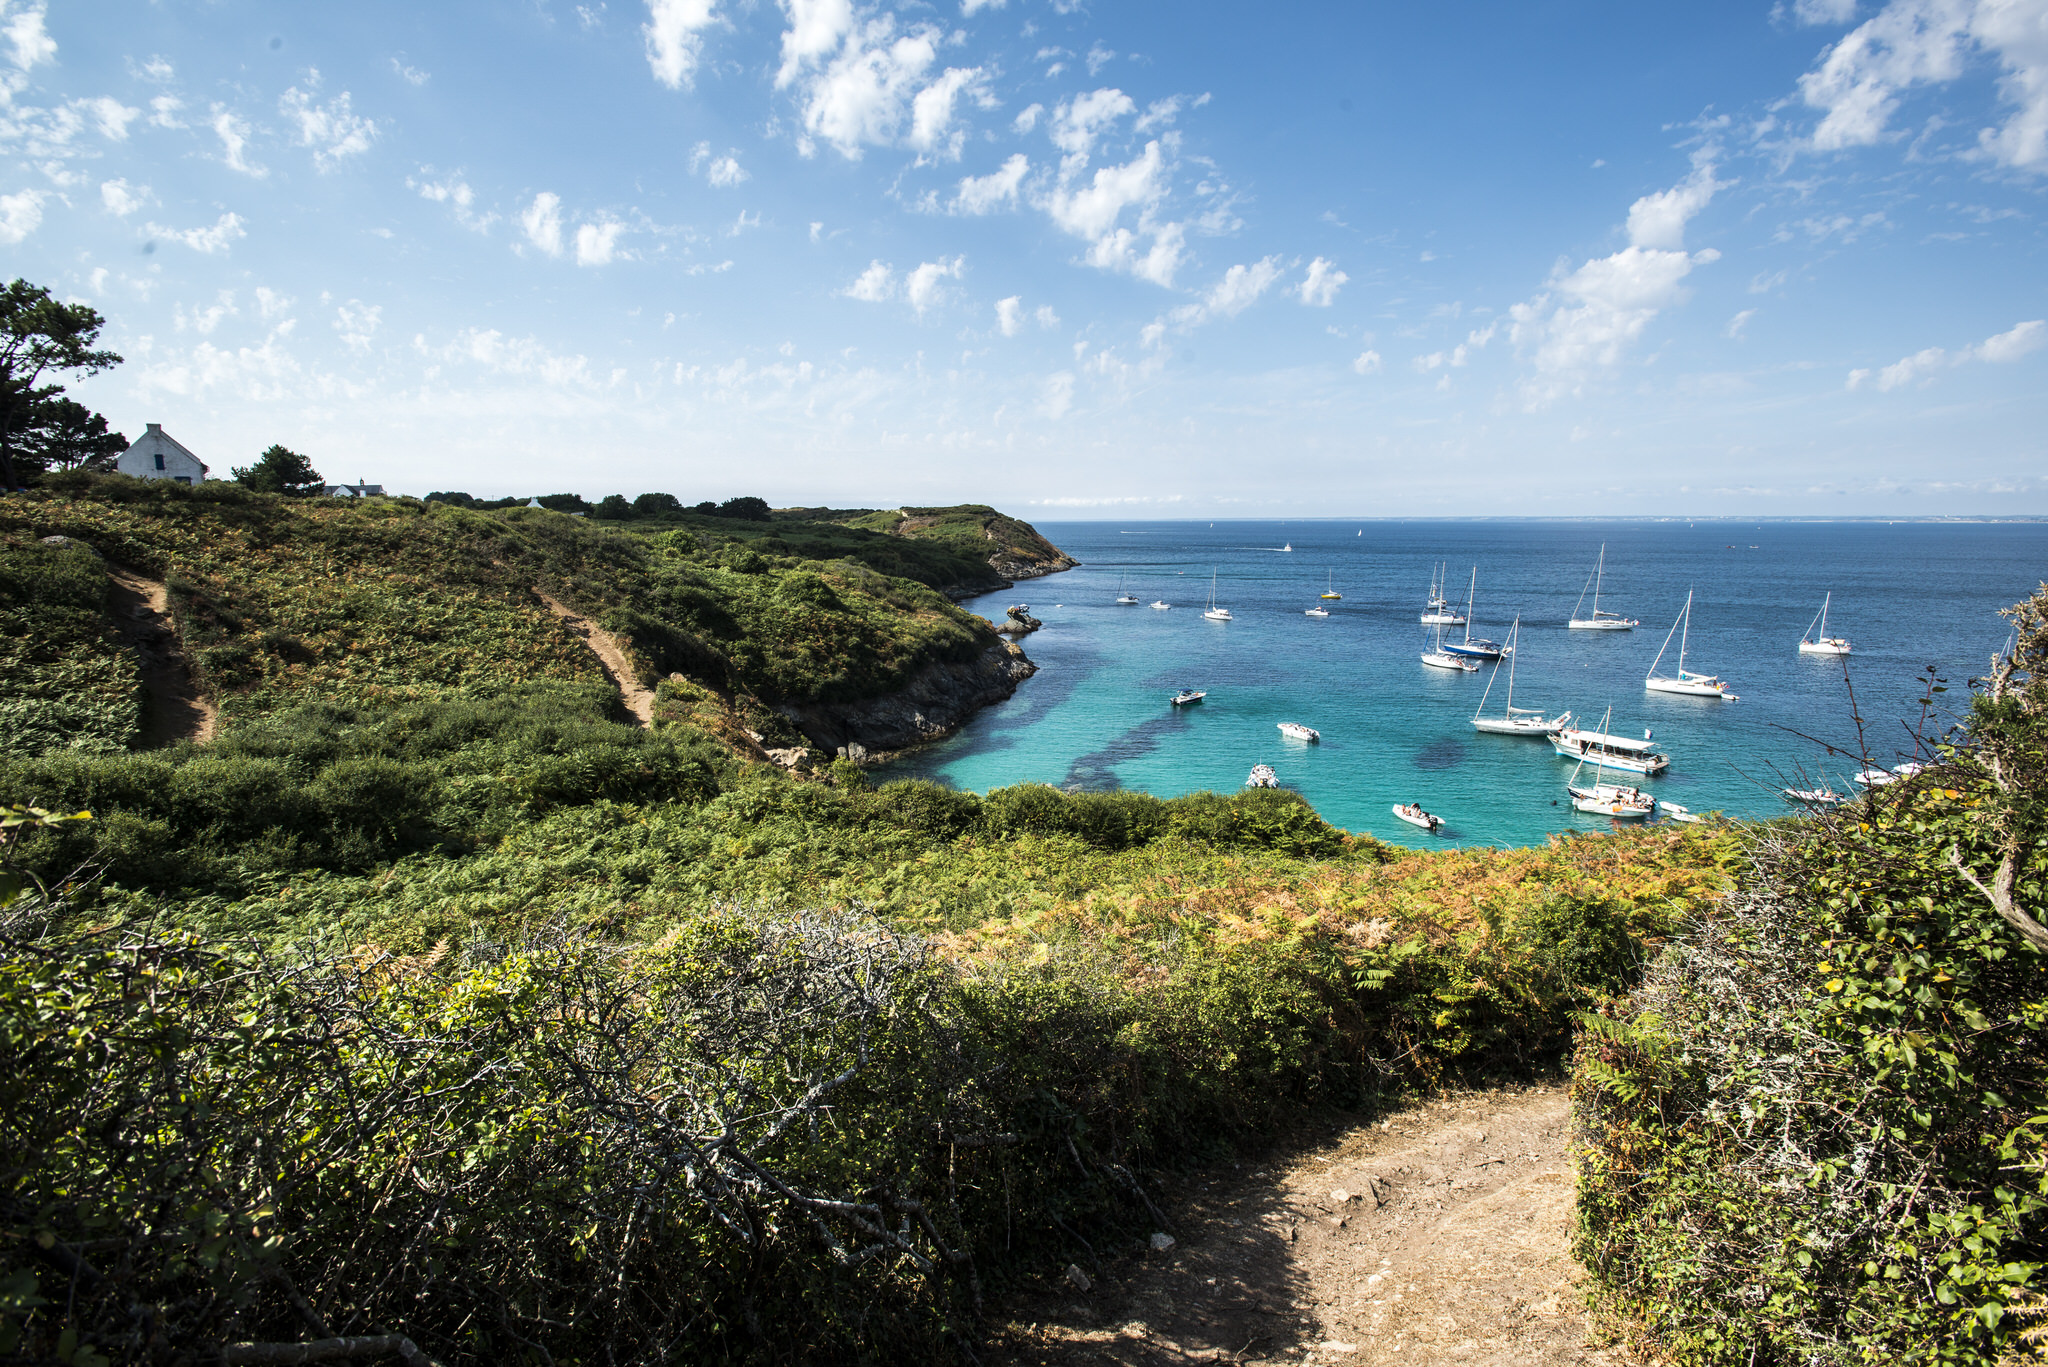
157, 455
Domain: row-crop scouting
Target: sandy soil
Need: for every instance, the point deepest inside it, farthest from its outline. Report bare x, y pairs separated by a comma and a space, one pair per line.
639, 700
1435, 1236
142, 613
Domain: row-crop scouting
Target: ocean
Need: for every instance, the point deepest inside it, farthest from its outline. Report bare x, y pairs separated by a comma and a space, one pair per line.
1910, 596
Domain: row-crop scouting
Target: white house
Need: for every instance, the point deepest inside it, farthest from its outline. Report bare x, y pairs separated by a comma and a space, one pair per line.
355, 491
157, 455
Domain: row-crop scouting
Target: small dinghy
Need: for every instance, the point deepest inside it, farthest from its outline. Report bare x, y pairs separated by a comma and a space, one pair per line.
1674, 812
1187, 696
1161, 604
1262, 776
1820, 797
1609, 799
1876, 776
1294, 730
1413, 814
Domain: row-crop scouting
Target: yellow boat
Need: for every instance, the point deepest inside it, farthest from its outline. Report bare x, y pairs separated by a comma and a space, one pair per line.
1331, 592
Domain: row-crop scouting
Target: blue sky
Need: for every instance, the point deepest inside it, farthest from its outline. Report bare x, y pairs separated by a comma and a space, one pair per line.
1137, 260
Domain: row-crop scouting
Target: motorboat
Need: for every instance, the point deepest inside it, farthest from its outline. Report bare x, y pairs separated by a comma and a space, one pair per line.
1818, 797
1599, 621
1161, 604
1436, 657
1876, 776
1124, 597
1515, 721
1475, 649
1187, 697
1437, 611
1609, 751
1294, 730
1288, 547
1413, 814
1675, 812
1687, 683
1262, 776
1611, 799
1316, 612
1212, 612
1330, 585
1816, 641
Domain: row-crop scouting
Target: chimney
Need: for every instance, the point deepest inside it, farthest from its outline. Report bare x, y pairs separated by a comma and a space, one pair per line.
156, 427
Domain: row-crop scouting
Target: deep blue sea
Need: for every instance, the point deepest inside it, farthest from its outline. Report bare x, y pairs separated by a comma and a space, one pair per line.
1908, 595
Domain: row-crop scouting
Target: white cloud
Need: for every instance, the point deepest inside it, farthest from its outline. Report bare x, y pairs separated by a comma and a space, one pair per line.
357, 323
1046, 317
996, 190
861, 79
270, 303
111, 115
163, 112
225, 230
1241, 287
457, 194
1824, 11
2021, 340
1737, 324
332, 130
923, 287
1098, 57
815, 28
1659, 220
1859, 81
204, 321
1010, 315
157, 68
31, 43
121, 199
20, 215
1368, 363
931, 110
674, 34
542, 221
1027, 118
233, 132
596, 243
1059, 394
970, 8
876, 283
1078, 122
725, 172
1320, 287
411, 75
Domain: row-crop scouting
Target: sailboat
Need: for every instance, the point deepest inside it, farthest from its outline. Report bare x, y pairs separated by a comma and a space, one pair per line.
1330, 585
1515, 721
1439, 658
1604, 798
1817, 641
1478, 650
1124, 597
1214, 613
1688, 683
1599, 621
1439, 613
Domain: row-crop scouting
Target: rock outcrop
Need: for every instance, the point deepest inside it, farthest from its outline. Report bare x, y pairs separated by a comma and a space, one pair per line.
935, 704
1018, 621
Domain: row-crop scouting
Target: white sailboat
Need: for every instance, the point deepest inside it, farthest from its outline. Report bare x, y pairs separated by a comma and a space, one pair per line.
1439, 658
1604, 798
1438, 611
1515, 721
1124, 597
1816, 641
1214, 613
1599, 621
1688, 683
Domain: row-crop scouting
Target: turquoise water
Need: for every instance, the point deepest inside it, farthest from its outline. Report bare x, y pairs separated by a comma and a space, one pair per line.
1394, 730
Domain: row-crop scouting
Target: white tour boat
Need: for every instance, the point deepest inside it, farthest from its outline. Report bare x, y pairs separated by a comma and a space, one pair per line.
1187, 696
1438, 611
1413, 814
1436, 657
1214, 613
1599, 621
1515, 721
1611, 752
1475, 649
1816, 641
1262, 776
1294, 730
1688, 683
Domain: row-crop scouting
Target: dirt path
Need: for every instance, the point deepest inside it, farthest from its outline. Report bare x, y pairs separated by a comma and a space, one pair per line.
1435, 1237
142, 614
639, 700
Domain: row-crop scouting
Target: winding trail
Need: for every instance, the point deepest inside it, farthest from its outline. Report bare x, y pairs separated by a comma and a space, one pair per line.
1437, 1236
639, 700
178, 710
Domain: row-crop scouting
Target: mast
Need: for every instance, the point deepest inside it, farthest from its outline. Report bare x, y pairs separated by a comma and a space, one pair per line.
1513, 633
1824, 614
1599, 578
1469, 594
1685, 635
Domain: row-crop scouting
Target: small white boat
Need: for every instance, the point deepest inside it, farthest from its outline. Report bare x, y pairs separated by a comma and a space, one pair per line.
1612, 752
1687, 683
1187, 697
1214, 613
1294, 730
1677, 813
1262, 776
1437, 612
1599, 621
1610, 799
1877, 776
1288, 547
1124, 597
1816, 641
1819, 797
1515, 721
1436, 657
1316, 612
1161, 604
1413, 814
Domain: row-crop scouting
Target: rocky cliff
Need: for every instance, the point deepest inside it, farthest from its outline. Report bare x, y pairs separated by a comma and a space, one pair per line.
937, 701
